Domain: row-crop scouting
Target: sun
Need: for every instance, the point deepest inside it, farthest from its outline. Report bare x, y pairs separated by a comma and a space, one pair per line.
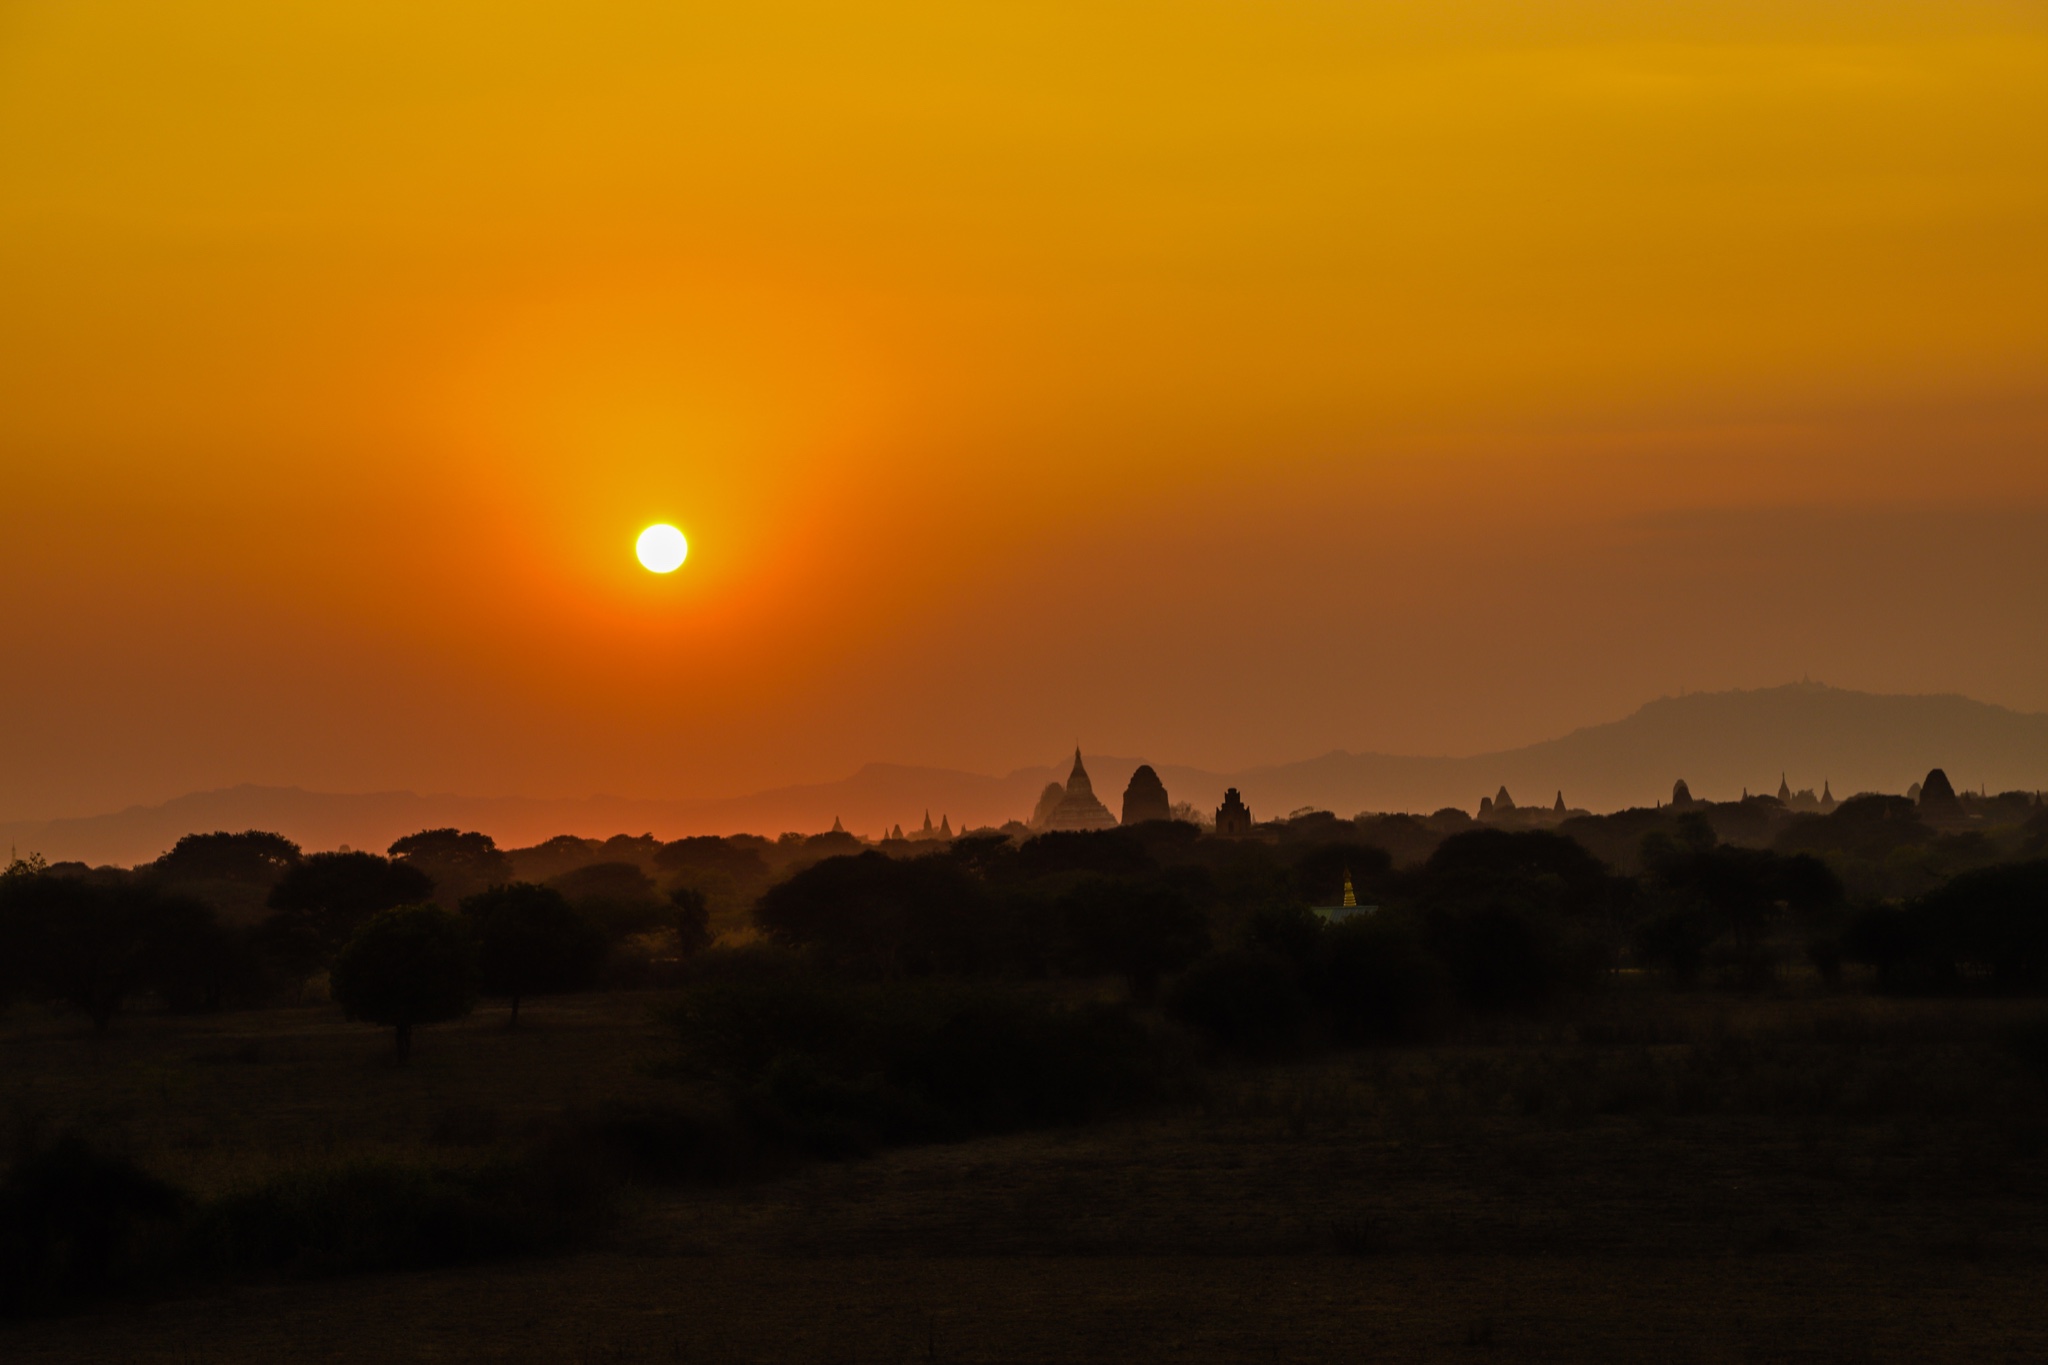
661, 548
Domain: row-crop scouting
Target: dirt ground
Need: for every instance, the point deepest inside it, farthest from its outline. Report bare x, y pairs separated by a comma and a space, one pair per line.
1727, 1182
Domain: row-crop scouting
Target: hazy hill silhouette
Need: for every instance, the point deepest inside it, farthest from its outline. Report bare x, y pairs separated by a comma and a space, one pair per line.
1720, 742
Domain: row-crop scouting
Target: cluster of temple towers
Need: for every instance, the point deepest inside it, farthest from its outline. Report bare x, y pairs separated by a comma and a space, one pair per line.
1073, 806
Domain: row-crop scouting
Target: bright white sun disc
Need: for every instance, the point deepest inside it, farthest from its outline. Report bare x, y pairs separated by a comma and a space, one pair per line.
662, 548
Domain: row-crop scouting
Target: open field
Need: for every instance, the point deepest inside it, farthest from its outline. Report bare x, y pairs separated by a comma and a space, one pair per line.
1690, 1177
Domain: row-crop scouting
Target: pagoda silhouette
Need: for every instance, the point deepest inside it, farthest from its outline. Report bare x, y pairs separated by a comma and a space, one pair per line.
1077, 808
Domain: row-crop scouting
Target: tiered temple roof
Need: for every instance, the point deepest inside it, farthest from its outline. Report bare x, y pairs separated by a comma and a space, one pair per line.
1078, 808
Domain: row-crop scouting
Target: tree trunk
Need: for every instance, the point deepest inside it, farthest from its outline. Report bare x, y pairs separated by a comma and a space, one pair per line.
404, 1041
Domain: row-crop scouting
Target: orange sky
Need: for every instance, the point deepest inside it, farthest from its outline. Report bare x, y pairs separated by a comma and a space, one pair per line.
1220, 382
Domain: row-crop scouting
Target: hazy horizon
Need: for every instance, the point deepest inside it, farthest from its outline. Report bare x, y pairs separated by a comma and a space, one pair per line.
826, 777
1814, 736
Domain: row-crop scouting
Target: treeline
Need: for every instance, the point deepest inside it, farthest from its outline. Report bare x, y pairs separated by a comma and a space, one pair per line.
241, 920
1927, 895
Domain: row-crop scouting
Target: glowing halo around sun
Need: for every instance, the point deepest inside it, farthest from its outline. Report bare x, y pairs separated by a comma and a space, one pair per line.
661, 548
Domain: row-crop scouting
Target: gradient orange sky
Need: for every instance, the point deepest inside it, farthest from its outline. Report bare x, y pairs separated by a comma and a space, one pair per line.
1218, 382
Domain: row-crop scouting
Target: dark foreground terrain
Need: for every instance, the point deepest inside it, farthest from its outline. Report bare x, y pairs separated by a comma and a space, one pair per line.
1686, 1178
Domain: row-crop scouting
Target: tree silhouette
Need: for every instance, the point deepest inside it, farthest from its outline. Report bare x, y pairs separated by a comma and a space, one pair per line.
460, 864
92, 945
617, 897
874, 913
692, 921
1709, 892
530, 941
322, 901
253, 857
414, 964
1137, 930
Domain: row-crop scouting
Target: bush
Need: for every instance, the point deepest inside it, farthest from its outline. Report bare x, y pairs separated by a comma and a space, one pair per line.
1984, 931
1137, 930
1375, 982
1249, 1001
1502, 956
1677, 940
213, 968
875, 914
374, 1216
76, 1223
831, 1066
659, 1144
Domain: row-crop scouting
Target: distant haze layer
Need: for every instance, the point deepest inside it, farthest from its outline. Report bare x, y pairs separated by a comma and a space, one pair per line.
1720, 743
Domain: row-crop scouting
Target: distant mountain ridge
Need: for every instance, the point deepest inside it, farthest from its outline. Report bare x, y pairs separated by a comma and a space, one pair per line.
1719, 742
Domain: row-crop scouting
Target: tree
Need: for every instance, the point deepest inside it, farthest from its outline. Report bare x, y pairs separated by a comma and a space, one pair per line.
1104, 852
1709, 892
414, 964
14, 928
254, 857
618, 897
1137, 930
234, 873
692, 921
1549, 867
93, 945
530, 941
1516, 916
460, 864
1994, 923
893, 916
1376, 981
1984, 931
1248, 1001
322, 901
708, 854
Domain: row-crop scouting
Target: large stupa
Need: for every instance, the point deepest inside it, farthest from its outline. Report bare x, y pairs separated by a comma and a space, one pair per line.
1078, 808
1145, 798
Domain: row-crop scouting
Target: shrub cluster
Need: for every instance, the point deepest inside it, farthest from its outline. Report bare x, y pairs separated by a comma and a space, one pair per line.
822, 1064
78, 1223
1983, 932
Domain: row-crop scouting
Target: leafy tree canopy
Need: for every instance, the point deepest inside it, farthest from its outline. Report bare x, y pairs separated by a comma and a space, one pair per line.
531, 941
414, 964
878, 913
254, 857
322, 900
459, 862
